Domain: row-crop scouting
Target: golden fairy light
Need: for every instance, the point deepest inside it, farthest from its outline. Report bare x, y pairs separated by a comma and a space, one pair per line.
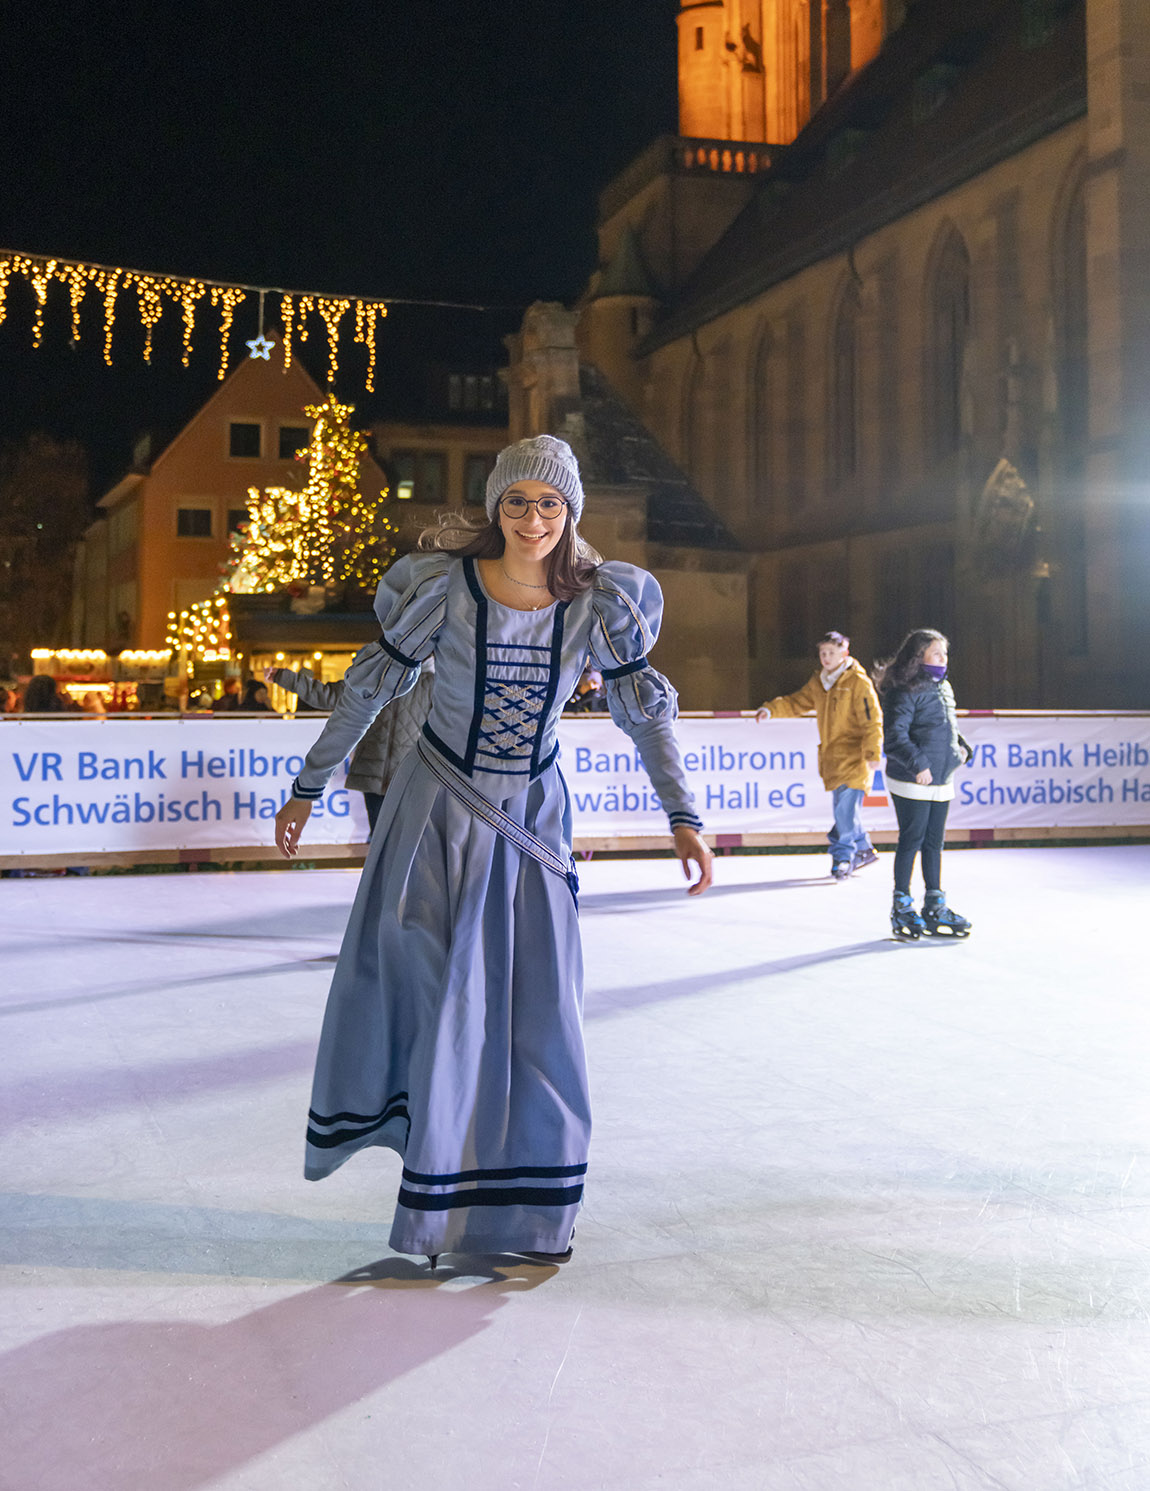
149, 292
153, 290
333, 312
229, 298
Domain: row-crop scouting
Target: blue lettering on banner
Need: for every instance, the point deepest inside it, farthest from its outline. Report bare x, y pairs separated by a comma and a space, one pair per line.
49, 765
1039, 794
1047, 756
123, 809
89, 766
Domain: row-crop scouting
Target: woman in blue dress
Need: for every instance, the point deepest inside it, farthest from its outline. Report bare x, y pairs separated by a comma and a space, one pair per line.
453, 1031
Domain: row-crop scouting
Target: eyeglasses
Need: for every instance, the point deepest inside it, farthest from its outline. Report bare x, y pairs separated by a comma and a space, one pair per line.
546, 507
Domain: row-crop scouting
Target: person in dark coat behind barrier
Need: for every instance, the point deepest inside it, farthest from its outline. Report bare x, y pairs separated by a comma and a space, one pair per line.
389, 737
923, 752
42, 696
255, 698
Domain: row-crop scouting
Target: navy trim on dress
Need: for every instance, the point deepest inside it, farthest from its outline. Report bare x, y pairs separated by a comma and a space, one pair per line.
555, 664
394, 652
501, 1196
635, 667
443, 748
396, 1108
522, 1172
305, 794
480, 663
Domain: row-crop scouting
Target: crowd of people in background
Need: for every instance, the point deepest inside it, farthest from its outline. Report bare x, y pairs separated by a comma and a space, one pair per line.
42, 694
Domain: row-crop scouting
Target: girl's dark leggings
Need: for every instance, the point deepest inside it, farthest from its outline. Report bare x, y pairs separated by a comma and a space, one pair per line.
921, 826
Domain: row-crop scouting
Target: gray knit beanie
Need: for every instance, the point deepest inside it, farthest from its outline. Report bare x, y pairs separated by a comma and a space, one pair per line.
543, 458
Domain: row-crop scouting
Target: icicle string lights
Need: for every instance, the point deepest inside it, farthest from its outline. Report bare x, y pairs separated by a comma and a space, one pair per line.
154, 291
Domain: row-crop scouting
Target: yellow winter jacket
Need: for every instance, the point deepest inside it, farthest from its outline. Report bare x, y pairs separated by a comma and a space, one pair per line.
850, 724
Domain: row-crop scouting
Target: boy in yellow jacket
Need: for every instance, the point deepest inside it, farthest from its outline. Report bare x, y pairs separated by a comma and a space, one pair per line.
843, 700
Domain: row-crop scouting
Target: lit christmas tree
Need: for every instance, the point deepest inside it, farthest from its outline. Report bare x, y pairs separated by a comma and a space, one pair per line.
326, 534
330, 533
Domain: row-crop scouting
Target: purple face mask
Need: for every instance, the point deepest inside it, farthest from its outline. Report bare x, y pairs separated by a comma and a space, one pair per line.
937, 671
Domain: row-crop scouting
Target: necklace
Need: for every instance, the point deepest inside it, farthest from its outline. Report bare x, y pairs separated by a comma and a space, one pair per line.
524, 584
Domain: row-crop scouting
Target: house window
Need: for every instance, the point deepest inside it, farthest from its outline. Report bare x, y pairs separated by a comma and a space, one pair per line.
237, 517
293, 438
194, 522
419, 475
476, 470
431, 482
454, 392
698, 38
244, 440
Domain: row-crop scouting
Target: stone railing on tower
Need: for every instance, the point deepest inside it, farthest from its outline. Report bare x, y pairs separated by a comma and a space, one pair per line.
681, 155
724, 156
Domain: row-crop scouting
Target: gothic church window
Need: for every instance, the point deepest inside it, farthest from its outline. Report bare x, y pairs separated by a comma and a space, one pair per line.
949, 328
796, 432
1073, 416
762, 422
844, 435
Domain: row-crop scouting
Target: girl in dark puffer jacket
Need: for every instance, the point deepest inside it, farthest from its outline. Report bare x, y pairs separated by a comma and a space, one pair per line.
923, 751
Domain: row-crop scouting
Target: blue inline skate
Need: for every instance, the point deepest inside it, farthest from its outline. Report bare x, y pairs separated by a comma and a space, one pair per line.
905, 921
940, 920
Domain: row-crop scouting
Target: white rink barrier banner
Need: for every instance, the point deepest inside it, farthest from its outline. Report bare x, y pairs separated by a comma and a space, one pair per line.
121, 786
1048, 771
124, 786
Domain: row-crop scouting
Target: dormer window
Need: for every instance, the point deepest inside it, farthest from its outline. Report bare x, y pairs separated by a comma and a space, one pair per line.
245, 441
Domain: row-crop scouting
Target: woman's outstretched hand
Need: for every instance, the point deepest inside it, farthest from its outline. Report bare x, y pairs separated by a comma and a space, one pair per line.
289, 825
689, 846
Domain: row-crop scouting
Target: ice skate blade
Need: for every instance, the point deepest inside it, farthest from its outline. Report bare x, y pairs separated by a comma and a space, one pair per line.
548, 1258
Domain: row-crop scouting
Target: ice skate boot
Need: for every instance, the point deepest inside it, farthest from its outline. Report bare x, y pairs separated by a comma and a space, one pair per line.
904, 919
940, 920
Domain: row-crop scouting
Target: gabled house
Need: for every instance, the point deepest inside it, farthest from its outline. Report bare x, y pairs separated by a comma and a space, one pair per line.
164, 532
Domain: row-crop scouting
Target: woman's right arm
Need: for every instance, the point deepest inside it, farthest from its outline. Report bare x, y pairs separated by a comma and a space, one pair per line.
306, 686
411, 602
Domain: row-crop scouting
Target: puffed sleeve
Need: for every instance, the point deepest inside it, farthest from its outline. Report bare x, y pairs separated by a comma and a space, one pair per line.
628, 606
410, 606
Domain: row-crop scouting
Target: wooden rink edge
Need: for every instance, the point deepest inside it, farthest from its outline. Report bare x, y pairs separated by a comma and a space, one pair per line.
352, 856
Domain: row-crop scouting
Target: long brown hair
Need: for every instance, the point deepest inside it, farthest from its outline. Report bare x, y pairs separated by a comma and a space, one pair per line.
904, 670
571, 565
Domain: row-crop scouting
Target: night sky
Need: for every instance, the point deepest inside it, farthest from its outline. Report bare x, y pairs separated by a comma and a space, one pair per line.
433, 150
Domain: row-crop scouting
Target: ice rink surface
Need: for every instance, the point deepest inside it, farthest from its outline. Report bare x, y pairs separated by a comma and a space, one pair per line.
860, 1217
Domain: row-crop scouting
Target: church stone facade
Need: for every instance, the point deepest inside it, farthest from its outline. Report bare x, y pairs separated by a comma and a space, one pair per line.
884, 307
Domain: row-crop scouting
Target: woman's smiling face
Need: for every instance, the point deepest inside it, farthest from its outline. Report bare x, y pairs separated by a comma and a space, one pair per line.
530, 536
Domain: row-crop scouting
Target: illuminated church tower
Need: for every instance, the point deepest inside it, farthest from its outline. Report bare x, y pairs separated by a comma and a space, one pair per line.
757, 69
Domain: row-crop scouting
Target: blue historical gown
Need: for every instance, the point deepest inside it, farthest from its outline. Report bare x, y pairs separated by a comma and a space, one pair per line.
453, 1031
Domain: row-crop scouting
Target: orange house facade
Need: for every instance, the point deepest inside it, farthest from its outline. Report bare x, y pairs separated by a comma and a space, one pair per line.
166, 533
